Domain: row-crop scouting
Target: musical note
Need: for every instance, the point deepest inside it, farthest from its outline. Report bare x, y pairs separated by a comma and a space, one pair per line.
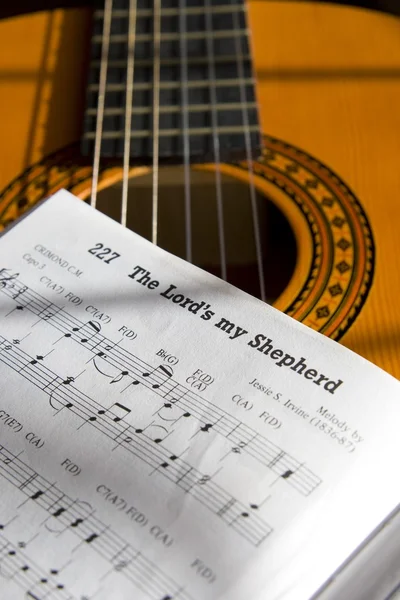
238, 449
206, 427
93, 329
131, 563
119, 377
257, 446
77, 522
178, 471
118, 412
287, 474
205, 479
21, 291
166, 372
121, 409
4, 278
257, 506
35, 360
37, 495
31, 576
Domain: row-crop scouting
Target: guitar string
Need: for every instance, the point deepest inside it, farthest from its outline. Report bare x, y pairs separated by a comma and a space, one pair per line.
156, 115
101, 99
130, 70
216, 146
249, 158
185, 127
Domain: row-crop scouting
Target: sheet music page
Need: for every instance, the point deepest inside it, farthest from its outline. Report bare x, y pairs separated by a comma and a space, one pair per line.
165, 436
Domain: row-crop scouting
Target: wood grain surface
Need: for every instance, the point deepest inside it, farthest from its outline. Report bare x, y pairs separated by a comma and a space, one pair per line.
328, 82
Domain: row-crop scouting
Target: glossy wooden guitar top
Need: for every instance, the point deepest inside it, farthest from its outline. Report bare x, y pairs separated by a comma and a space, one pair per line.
328, 82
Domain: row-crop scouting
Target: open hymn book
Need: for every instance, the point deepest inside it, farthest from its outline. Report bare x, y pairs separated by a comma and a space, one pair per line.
165, 436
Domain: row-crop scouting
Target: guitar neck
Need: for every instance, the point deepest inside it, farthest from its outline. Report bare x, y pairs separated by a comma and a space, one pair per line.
199, 77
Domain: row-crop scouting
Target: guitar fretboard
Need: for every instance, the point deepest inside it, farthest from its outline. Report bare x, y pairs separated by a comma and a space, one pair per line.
206, 90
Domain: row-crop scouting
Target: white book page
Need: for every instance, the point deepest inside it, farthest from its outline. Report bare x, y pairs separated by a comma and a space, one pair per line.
165, 436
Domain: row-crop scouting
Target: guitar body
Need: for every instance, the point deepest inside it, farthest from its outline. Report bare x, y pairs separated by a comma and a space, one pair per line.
328, 90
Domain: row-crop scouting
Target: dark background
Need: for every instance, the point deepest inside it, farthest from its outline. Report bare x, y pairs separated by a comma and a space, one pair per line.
14, 8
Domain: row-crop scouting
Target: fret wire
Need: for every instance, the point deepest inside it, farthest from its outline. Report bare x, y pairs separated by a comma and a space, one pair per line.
172, 108
185, 123
189, 10
168, 37
170, 85
170, 61
169, 132
214, 121
128, 108
156, 116
256, 223
101, 99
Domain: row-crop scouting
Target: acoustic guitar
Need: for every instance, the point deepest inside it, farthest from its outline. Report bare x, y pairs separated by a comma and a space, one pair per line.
152, 110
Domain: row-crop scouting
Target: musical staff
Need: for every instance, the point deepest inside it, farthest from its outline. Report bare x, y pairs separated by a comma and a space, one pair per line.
65, 395
37, 584
76, 517
160, 381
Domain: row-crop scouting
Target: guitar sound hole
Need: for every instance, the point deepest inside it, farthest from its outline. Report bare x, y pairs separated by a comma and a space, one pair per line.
277, 238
